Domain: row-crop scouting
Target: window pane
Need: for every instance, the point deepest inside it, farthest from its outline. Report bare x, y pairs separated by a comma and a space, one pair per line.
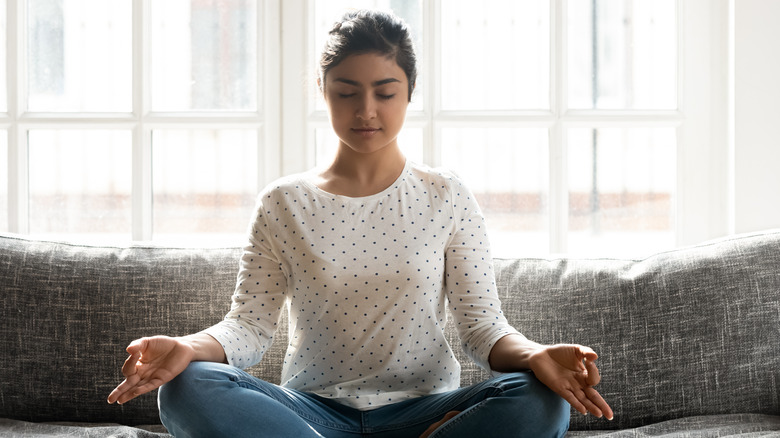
204, 55
3, 57
622, 189
4, 181
80, 55
328, 12
410, 140
495, 55
508, 171
205, 181
80, 182
622, 54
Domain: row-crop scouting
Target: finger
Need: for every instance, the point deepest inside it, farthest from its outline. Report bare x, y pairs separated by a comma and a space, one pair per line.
588, 404
138, 389
574, 402
587, 353
127, 385
114, 396
599, 401
131, 363
126, 397
593, 377
138, 345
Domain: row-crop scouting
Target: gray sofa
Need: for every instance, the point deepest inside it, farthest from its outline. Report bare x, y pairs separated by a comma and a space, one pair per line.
689, 339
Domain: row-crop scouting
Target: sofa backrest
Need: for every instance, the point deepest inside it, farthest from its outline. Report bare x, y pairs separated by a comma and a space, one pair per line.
689, 332
68, 312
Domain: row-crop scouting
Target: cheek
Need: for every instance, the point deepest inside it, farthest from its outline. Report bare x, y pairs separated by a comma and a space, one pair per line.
398, 112
338, 111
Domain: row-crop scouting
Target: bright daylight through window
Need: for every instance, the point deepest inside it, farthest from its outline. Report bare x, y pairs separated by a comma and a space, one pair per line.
152, 124
496, 117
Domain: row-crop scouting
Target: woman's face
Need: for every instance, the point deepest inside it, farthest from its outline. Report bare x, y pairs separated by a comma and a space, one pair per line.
367, 97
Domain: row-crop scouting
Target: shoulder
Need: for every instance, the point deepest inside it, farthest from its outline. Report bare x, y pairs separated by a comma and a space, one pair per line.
290, 186
448, 187
439, 178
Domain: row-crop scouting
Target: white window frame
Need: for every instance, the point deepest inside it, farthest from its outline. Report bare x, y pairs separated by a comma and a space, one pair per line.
142, 121
703, 207
286, 119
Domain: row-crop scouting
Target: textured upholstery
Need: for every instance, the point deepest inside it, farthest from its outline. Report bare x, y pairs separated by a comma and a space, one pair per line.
69, 311
686, 334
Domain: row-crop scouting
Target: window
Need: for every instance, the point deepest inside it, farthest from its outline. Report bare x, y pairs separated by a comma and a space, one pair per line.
566, 118
582, 126
136, 120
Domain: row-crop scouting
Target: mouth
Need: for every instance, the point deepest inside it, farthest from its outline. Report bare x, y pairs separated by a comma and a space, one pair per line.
365, 132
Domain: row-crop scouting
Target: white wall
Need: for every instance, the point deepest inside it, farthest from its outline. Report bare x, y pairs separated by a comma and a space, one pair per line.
757, 115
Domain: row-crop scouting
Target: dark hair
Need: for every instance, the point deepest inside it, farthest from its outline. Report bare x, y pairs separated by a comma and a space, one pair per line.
370, 31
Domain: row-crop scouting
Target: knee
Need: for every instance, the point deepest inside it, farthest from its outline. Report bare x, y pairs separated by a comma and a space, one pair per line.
180, 388
186, 390
538, 401
186, 401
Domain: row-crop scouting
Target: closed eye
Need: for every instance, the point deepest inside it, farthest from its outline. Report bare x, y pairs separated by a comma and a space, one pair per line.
385, 96
344, 96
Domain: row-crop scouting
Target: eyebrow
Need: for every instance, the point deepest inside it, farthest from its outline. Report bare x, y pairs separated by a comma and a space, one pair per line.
375, 83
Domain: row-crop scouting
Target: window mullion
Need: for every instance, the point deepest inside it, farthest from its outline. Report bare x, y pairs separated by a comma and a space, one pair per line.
432, 98
18, 163
558, 207
142, 147
270, 76
297, 149
142, 183
18, 179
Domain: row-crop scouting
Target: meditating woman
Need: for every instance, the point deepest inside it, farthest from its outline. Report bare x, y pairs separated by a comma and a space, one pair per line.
365, 254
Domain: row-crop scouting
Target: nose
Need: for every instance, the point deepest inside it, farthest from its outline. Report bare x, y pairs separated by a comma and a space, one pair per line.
367, 108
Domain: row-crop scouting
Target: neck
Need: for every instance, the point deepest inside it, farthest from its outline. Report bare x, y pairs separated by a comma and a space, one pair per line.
355, 174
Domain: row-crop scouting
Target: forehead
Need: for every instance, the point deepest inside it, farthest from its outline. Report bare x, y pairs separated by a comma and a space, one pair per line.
366, 69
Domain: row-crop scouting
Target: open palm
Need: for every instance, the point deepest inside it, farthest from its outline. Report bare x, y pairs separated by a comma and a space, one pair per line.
570, 371
152, 362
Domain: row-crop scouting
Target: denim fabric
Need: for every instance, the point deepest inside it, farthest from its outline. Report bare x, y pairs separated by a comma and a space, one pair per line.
210, 399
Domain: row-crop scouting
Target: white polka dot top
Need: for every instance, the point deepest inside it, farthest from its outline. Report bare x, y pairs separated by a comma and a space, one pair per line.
366, 281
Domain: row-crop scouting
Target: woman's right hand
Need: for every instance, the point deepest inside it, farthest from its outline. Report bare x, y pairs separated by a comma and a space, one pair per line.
152, 362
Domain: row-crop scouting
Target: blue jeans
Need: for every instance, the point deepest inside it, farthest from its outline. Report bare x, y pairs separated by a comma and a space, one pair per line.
212, 400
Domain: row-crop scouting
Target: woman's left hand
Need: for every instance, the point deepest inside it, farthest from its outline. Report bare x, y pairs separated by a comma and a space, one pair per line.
570, 371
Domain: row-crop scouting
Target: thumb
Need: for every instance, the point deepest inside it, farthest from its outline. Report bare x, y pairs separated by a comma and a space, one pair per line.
138, 346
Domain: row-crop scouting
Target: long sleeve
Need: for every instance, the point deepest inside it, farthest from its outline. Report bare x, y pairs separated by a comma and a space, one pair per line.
470, 281
258, 299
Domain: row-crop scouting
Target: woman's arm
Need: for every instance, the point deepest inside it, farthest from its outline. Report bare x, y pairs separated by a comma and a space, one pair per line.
567, 369
513, 353
205, 347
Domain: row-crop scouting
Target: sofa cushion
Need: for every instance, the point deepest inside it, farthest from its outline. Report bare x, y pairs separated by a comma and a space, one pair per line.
16, 428
710, 426
690, 332
68, 311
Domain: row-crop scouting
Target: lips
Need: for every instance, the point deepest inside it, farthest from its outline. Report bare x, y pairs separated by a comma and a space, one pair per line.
365, 131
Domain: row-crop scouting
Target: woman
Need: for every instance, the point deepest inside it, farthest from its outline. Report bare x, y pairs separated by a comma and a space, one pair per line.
367, 252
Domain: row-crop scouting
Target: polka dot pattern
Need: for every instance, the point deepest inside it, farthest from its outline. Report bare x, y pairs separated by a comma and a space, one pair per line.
367, 281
